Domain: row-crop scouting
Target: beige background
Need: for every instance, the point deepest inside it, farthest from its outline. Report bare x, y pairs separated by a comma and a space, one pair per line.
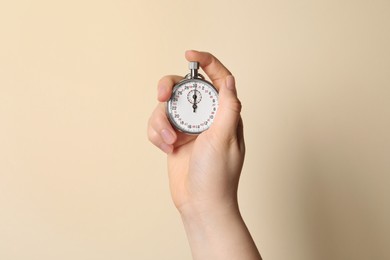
79, 180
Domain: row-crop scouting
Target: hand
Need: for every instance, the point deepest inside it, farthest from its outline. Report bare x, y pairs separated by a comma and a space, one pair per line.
204, 170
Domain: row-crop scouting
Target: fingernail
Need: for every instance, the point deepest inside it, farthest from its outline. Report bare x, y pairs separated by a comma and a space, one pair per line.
167, 136
230, 82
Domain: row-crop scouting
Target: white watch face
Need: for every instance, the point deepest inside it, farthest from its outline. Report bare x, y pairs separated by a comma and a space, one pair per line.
193, 106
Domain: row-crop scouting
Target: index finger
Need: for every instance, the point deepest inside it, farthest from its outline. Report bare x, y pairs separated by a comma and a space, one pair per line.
214, 69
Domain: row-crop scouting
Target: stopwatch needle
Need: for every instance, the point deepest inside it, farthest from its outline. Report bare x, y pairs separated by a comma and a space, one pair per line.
194, 106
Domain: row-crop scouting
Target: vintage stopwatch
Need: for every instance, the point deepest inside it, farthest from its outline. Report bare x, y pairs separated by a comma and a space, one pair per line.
193, 103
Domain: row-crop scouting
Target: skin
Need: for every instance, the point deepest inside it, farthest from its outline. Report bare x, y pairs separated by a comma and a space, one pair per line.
204, 170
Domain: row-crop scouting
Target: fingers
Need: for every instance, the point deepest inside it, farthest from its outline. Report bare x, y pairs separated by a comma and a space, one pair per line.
165, 85
160, 131
228, 115
162, 134
214, 69
229, 109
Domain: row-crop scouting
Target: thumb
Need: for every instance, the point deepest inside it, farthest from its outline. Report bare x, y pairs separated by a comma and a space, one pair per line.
229, 108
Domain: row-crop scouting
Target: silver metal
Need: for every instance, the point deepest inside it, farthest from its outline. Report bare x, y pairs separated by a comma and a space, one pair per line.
193, 66
198, 76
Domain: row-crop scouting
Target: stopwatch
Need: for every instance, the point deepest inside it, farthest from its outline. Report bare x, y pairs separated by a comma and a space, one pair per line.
193, 103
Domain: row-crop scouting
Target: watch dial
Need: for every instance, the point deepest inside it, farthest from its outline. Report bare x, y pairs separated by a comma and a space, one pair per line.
193, 106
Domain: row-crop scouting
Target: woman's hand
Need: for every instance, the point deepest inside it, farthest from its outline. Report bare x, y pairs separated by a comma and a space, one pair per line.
204, 170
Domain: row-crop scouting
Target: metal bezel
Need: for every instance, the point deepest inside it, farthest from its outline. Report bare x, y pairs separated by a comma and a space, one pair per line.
168, 106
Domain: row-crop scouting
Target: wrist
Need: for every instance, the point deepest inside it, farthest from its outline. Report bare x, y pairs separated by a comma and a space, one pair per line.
200, 211
218, 232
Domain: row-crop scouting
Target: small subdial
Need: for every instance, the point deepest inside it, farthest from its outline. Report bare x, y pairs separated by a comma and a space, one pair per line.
194, 96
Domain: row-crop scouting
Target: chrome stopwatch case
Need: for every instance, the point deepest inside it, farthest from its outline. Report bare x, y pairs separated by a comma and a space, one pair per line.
193, 104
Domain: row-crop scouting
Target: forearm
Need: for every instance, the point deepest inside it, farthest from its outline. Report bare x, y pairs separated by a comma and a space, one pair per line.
219, 234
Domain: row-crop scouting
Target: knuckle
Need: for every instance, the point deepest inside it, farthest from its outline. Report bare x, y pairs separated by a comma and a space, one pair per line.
236, 106
153, 136
150, 133
162, 81
169, 80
